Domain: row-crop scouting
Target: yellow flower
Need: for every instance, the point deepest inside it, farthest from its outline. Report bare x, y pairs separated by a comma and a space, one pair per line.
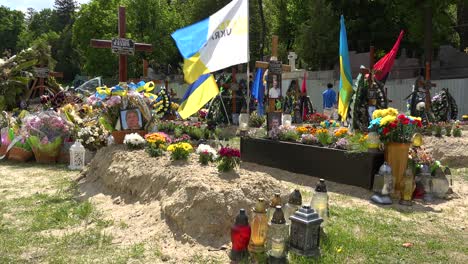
302, 130
387, 120
384, 112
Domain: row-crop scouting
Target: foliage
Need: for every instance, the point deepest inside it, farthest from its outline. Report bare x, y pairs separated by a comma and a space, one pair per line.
180, 151
438, 130
11, 25
324, 137
358, 143
457, 132
228, 159
288, 133
256, 120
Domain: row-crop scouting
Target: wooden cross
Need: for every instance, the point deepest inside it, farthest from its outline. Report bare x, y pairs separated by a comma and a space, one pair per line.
427, 84
107, 44
266, 65
466, 50
39, 87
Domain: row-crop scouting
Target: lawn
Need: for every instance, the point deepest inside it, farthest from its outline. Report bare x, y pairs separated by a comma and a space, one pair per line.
42, 221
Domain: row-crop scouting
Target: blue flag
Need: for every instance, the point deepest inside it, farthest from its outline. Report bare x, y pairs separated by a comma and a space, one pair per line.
258, 90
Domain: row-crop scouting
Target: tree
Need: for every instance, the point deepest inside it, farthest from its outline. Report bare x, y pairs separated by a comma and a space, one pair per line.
65, 12
11, 25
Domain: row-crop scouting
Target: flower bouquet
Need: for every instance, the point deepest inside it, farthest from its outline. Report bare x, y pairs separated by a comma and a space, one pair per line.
93, 136
134, 141
156, 143
316, 118
324, 137
228, 159
21, 151
309, 139
202, 113
206, 154
45, 132
180, 151
288, 133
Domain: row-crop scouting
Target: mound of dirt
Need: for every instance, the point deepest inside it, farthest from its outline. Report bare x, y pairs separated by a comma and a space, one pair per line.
451, 151
195, 200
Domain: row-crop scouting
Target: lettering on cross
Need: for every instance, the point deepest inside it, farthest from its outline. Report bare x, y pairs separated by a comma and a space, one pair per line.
122, 46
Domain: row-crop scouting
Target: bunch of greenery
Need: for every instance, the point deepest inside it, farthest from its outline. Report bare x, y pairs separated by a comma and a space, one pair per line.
256, 120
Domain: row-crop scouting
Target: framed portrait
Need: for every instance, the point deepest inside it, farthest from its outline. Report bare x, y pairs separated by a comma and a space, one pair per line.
131, 119
273, 119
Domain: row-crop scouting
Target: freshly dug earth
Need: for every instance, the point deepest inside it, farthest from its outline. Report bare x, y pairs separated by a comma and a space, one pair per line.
194, 200
451, 151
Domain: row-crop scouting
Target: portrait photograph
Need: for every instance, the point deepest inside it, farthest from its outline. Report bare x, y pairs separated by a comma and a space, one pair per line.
131, 119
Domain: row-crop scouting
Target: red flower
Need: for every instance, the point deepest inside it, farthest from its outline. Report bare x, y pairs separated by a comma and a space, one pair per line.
405, 121
419, 123
394, 124
401, 116
385, 130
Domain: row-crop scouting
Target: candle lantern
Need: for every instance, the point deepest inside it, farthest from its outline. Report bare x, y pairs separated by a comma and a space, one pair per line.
259, 227
277, 237
440, 184
286, 119
293, 204
426, 180
305, 232
373, 141
417, 140
240, 236
320, 200
244, 122
274, 202
77, 156
407, 187
383, 185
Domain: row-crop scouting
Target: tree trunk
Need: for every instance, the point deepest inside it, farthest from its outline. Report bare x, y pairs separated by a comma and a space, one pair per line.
462, 21
262, 18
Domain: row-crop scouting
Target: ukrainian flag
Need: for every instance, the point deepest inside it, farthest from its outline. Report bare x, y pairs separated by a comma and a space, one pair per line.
346, 88
216, 42
197, 95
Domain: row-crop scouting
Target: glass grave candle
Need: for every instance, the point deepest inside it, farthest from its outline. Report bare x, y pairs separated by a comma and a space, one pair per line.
77, 156
286, 120
278, 233
240, 236
293, 204
448, 174
243, 122
383, 185
259, 227
407, 187
440, 184
274, 202
426, 180
320, 200
373, 141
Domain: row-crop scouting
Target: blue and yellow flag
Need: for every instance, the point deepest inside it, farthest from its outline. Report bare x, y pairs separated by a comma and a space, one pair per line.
346, 88
197, 95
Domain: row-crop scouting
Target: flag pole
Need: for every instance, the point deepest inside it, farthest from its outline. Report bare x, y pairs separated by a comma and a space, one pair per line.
248, 60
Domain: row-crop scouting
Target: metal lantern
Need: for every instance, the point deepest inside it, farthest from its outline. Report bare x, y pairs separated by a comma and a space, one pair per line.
426, 180
449, 176
278, 233
320, 200
244, 122
383, 185
240, 236
77, 156
286, 120
273, 203
440, 184
259, 227
305, 232
293, 204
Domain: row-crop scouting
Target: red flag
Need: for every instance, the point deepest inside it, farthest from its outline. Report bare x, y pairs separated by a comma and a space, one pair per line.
385, 64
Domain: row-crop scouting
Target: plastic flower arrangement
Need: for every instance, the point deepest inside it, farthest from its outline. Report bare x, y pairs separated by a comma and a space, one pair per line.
340, 132
342, 143
316, 118
329, 124
134, 141
156, 143
45, 131
394, 127
93, 136
14, 125
309, 139
180, 151
206, 154
228, 159
288, 133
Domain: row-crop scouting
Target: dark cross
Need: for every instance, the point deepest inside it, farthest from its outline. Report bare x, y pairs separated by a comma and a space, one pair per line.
266, 65
38, 87
107, 44
427, 85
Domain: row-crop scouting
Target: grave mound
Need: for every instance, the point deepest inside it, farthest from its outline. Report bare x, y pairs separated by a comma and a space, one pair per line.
195, 200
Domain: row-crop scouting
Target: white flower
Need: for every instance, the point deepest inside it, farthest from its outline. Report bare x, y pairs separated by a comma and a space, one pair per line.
134, 139
203, 148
